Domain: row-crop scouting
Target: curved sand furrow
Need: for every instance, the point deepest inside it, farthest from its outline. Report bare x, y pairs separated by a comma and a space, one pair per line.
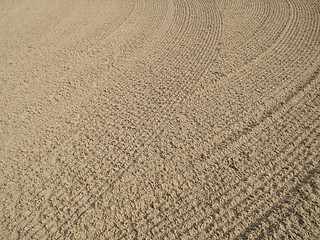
107, 189
159, 119
223, 175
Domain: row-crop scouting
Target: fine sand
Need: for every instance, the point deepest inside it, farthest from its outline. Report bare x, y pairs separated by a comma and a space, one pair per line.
149, 119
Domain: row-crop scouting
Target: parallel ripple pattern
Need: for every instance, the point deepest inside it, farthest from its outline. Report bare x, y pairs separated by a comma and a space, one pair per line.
173, 119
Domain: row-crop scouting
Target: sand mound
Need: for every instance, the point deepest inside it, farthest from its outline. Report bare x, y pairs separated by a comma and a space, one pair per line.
176, 119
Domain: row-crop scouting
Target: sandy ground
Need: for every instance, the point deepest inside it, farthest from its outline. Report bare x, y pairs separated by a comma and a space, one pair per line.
173, 119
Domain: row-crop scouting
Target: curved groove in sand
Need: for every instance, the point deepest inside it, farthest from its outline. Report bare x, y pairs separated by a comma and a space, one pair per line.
157, 119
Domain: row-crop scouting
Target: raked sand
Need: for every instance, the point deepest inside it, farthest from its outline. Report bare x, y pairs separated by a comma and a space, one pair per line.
149, 119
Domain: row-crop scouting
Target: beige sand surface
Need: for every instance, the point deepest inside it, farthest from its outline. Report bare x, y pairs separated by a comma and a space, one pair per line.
149, 119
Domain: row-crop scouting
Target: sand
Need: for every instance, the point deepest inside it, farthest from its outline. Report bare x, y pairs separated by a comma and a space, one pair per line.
173, 119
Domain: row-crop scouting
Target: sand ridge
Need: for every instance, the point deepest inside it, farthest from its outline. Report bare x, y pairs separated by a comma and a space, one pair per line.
175, 119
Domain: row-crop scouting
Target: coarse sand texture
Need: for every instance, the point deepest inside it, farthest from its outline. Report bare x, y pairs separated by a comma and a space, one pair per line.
149, 119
